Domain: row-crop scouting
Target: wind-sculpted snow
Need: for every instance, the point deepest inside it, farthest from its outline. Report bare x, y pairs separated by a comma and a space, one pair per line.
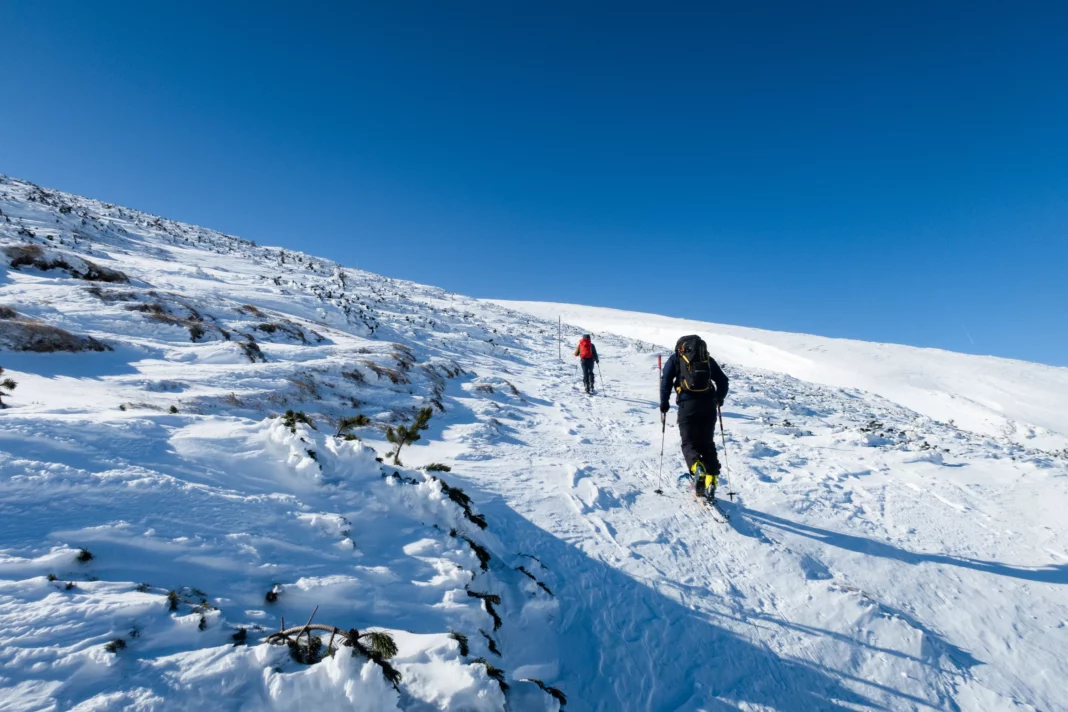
223, 470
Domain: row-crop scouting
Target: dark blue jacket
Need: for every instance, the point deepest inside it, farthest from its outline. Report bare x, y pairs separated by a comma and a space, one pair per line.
671, 373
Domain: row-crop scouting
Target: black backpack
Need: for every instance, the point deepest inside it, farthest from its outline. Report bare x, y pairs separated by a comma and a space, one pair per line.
695, 366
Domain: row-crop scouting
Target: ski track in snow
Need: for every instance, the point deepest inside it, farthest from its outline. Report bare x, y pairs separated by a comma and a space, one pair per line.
875, 558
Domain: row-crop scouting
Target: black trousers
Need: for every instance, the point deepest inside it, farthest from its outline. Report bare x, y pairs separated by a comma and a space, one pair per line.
697, 428
587, 372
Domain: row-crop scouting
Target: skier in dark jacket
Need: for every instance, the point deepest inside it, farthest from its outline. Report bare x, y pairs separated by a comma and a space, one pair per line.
701, 386
587, 354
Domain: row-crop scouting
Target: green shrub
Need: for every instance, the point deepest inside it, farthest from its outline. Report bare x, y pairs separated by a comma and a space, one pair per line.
346, 424
461, 639
407, 434
291, 418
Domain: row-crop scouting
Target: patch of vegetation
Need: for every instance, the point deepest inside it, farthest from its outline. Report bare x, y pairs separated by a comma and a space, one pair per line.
173, 409
34, 256
306, 383
407, 434
292, 417
173, 600
490, 600
491, 643
307, 650
192, 321
494, 672
110, 296
437, 467
395, 377
533, 578
555, 692
84, 556
115, 645
34, 336
480, 552
294, 332
354, 375
345, 425
253, 351
404, 359
7, 385
460, 497
461, 640
252, 310
240, 637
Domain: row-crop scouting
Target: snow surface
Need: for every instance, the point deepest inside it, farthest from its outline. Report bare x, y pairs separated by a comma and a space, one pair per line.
878, 556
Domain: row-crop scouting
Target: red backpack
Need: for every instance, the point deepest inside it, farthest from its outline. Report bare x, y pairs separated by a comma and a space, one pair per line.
585, 348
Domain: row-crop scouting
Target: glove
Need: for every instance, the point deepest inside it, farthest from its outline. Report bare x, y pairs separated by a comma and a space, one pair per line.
665, 407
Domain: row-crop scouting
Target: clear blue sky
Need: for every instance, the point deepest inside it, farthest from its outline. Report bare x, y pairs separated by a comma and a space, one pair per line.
881, 171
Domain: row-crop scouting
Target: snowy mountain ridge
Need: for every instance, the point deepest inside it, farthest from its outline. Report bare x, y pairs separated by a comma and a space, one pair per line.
197, 456
1005, 398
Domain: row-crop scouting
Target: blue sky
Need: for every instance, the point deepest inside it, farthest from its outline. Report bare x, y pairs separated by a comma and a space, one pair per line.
881, 171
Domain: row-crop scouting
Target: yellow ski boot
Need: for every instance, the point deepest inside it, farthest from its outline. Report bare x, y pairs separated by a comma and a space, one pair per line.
704, 483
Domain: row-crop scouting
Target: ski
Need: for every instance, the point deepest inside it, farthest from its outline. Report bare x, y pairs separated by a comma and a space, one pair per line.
712, 506
718, 515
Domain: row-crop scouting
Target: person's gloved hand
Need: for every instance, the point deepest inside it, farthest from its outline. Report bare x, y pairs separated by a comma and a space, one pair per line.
665, 407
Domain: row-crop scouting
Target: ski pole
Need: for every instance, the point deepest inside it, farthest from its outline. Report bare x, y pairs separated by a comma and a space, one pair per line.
601, 376
726, 464
663, 431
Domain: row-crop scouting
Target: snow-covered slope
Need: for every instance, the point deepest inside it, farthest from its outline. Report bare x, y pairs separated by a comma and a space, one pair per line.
1025, 402
153, 491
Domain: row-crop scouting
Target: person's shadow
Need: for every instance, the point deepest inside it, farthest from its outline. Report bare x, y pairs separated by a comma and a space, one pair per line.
624, 645
1045, 574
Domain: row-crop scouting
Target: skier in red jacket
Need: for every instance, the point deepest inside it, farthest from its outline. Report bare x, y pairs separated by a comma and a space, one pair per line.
587, 352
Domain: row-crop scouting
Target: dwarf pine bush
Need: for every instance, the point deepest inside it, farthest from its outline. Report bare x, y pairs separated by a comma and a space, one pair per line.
291, 418
461, 640
7, 385
345, 425
407, 434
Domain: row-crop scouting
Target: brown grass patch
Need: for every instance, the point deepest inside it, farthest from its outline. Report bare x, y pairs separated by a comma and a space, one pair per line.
34, 256
28, 335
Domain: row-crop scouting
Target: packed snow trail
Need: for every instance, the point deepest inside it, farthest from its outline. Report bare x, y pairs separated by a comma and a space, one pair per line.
822, 583
708, 611
875, 558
